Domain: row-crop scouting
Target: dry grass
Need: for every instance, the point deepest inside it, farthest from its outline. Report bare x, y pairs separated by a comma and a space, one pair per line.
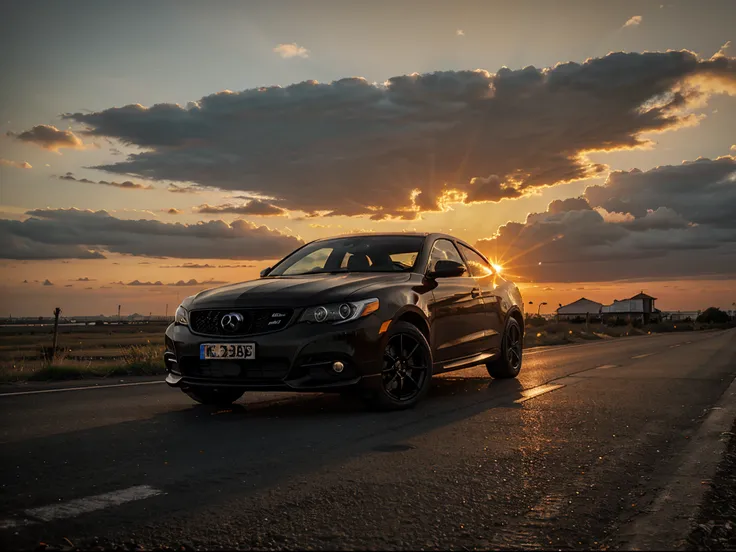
85, 352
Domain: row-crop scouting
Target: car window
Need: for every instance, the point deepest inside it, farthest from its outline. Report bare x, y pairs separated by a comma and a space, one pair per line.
479, 267
353, 254
316, 260
445, 250
404, 259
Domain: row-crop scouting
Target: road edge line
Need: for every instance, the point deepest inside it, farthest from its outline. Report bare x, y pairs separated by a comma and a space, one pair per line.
670, 518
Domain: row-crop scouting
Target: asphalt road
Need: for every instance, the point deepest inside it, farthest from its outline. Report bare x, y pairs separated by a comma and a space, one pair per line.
568, 456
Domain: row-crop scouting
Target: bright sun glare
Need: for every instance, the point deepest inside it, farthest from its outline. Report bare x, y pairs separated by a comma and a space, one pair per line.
497, 267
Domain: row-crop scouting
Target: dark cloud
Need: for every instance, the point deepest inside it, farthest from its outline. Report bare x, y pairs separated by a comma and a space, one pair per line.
49, 137
173, 188
672, 220
189, 265
47, 283
251, 207
180, 283
84, 279
74, 233
351, 147
701, 191
126, 185
174, 211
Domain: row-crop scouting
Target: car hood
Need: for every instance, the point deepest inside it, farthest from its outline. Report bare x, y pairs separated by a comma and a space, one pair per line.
294, 291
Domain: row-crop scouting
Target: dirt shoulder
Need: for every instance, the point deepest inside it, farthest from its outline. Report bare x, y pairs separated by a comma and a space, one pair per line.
716, 521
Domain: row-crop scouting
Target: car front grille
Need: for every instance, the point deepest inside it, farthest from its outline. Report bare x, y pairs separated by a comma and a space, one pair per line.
255, 321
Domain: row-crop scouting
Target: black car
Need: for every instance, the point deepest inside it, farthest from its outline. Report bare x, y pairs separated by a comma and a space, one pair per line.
376, 315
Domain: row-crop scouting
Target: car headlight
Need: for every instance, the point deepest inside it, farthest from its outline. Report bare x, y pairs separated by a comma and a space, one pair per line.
338, 313
181, 318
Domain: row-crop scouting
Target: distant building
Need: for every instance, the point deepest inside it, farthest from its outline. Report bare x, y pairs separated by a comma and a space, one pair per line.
580, 309
682, 316
639, 307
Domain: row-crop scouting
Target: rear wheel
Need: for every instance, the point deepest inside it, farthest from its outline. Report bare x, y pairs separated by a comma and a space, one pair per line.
214, 396
406, 371
508, 364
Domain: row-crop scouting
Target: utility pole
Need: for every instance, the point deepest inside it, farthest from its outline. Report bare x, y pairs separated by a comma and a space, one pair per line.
167, 311
118, 313
57, 312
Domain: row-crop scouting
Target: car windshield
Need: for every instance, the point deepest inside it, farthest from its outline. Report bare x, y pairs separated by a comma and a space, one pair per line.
353, 254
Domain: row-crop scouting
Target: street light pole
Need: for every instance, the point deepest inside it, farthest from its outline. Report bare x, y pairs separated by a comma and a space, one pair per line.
539, 308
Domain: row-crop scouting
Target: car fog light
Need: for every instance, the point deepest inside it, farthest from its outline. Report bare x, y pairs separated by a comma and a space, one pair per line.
338, 367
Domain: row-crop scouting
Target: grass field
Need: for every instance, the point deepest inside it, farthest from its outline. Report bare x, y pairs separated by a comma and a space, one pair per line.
126, 350
83, 351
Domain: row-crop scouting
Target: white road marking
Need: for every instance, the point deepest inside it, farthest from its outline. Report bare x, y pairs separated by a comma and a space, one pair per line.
73, 508
675, 345
606, 366
642, 356
84, 388
536, 391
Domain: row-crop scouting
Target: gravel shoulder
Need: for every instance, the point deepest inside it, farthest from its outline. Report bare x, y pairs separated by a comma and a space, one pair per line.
716, 522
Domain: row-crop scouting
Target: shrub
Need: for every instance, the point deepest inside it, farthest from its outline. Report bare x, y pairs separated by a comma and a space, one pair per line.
536, 321
713, 315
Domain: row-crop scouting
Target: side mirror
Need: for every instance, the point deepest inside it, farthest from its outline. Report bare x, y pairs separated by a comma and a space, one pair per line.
447, 269
265, 272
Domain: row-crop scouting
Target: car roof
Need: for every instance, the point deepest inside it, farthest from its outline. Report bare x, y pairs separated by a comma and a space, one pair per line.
391, 234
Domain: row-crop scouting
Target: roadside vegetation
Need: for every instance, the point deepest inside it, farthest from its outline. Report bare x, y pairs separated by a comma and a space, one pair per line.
542, 332
82, 352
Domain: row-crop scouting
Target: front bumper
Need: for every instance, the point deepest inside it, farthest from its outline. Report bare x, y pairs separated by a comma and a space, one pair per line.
297, 358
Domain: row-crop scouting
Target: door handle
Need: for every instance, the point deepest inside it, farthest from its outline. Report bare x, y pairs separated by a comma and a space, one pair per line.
475, 293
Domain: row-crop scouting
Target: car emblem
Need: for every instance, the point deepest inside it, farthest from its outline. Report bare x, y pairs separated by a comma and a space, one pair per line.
231, 322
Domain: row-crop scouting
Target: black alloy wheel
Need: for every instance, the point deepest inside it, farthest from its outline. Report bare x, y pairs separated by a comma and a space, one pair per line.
407, 368
508, 364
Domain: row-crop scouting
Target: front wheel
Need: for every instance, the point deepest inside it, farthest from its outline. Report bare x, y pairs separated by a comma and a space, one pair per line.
406, 370
213, 396
508, 364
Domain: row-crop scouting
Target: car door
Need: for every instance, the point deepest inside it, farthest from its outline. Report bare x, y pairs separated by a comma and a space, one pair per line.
457, 313
482, 272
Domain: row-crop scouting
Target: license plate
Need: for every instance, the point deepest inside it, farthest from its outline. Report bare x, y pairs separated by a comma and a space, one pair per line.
214, 351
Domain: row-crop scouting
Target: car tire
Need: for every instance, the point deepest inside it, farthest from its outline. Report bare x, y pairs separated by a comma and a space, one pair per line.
407, 367
214, 396
508, 365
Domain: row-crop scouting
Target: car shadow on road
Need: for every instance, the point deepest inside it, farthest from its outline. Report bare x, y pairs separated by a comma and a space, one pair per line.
203, 455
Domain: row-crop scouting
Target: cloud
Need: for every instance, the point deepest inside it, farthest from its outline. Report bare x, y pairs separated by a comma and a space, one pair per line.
396, 149
292, 50
173, 188
733, 148
188, 265
460, 32
74, 233
84, 279
16, 164
174, 211
668, 221
49, 137
126, 185
634, 21
47, 283
251, 207
180, 283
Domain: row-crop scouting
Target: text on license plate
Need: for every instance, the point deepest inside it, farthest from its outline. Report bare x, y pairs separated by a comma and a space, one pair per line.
209, 351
